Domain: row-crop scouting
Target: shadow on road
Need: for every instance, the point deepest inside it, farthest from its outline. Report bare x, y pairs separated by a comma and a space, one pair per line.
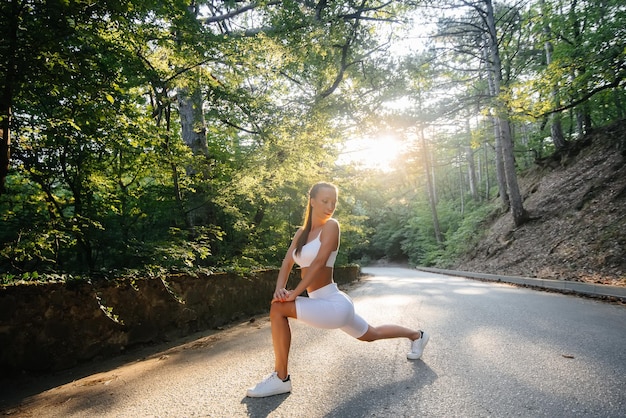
263, 407
373, 400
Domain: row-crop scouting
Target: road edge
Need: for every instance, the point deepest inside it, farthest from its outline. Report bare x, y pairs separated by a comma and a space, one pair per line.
563, 286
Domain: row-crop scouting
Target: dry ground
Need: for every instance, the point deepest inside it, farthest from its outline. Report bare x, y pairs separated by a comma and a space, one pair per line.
577, 203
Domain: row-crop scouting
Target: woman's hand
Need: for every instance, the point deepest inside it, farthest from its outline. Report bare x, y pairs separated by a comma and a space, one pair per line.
283, 295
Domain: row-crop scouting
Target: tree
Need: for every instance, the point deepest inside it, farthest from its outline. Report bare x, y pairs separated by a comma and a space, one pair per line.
156, 135
502, 116
476, 35
583, 76
432, 200
556, 128
10, 13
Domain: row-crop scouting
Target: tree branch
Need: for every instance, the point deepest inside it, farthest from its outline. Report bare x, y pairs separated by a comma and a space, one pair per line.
233, 13
614, 84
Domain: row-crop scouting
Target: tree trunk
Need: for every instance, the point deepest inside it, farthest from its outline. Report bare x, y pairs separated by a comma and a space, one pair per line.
461, 183
493, 92
433, 178
431, 190
499, 160
471, 166
485, 175
6, 99
583, 116
192, 122
517, 207
506, 144
5, 147
193, 133
164, 114
556, 129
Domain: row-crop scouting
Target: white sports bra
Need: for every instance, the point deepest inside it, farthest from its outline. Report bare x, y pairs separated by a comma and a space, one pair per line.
309, 252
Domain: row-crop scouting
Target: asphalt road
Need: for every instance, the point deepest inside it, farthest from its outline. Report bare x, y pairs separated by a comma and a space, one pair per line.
495, 351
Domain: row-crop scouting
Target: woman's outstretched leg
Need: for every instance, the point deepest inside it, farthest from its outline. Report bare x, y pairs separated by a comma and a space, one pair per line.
389, 331
418, 338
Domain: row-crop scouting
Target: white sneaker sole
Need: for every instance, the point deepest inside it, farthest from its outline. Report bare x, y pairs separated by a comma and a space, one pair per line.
252, 394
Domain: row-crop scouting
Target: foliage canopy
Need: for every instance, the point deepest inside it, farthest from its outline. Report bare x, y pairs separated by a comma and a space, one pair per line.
181, 135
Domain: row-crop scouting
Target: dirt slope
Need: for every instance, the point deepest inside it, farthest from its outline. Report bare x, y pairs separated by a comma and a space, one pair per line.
577, 201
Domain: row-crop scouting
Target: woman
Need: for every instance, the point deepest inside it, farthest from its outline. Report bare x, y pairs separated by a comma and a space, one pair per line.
314, 248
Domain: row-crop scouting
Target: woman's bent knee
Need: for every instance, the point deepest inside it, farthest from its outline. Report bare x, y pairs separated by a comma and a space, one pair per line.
276, 310
282, 310
369, 336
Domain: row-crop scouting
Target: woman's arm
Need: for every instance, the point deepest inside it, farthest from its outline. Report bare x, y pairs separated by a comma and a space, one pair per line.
285, 269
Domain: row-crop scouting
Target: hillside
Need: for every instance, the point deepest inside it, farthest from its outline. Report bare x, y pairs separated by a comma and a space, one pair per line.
577, 201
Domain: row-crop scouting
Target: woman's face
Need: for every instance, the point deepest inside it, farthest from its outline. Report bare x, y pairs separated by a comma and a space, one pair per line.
324, 202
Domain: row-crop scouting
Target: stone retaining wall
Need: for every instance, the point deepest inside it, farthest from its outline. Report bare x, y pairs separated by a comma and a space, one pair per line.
55, 326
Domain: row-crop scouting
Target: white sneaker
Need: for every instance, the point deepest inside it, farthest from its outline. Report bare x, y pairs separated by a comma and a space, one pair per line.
417, 347
271, 385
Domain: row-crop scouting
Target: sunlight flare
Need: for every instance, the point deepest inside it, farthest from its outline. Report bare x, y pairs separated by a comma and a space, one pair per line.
372, 153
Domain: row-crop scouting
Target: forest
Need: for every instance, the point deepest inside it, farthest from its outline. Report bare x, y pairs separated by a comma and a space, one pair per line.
141, 137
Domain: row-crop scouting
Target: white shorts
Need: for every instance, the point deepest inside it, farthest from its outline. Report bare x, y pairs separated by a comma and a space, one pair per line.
330, 308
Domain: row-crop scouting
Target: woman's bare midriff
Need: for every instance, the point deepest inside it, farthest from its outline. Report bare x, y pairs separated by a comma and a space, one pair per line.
324, 278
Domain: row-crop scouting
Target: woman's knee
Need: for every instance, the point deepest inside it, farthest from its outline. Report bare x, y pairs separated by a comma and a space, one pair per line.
276, 311
369, 336
282, 310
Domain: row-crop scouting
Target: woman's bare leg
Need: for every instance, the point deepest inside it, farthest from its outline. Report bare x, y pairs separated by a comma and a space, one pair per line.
280, 312
389, 331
